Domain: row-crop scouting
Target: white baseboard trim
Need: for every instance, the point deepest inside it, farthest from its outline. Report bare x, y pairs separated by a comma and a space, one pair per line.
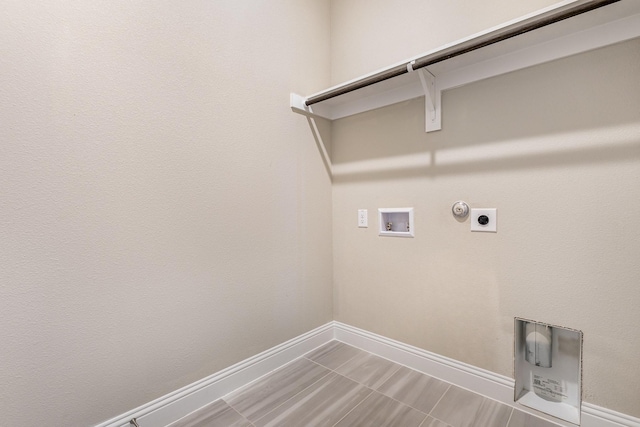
596, 416
173, 406
490, 384
452, 371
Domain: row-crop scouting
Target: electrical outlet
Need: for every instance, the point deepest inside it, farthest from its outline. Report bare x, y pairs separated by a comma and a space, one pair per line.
363, 218
484, 220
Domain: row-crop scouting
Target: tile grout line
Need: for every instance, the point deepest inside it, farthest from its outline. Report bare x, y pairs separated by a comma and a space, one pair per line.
344, 376
406, 404
401, 402
363, 385
422, 373
442, 421
482, 396
392, 374
434, 407
353, 409
400, 366
342, 364
237, 412
310, 385
381, 357
424, 421
439, 400
261, 377
510, 416
373, 390
320, 364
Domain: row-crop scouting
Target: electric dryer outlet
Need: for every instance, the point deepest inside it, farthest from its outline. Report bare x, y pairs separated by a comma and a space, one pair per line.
485, 219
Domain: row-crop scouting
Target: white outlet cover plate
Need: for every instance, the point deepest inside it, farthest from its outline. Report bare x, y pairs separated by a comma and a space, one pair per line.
363, 218
491, 226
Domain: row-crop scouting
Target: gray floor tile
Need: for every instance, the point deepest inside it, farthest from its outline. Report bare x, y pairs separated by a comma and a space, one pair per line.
432, 422
414, 389
333, 354
321, 405
216, 414
522, 419
259, 398
333, 384
368, 369
462, 408
381, 411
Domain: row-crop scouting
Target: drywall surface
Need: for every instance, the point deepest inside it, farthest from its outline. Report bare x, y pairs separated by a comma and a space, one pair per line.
163, 214
556, 149
367, 35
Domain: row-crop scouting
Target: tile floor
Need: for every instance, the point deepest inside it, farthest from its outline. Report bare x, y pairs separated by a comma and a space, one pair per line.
339, 385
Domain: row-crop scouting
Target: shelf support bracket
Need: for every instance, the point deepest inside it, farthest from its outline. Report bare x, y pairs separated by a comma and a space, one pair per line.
433, 116
297, 103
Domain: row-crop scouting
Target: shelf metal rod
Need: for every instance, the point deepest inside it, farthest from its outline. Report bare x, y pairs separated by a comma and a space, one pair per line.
461, 50
367, 81
543, 22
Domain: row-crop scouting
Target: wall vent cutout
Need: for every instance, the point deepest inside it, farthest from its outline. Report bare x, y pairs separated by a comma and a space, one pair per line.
547, 366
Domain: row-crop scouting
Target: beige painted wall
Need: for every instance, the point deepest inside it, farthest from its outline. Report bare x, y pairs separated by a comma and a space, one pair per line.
556, 149
163, 214
367, 35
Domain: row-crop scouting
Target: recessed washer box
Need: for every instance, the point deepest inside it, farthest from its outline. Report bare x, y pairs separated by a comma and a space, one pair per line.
395, 222
548, 369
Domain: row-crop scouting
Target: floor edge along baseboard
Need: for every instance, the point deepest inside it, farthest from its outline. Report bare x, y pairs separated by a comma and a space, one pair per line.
175, 405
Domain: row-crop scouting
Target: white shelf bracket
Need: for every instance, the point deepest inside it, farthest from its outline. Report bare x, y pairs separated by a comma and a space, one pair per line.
433, 116
298, 105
